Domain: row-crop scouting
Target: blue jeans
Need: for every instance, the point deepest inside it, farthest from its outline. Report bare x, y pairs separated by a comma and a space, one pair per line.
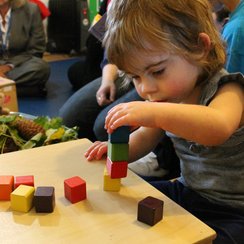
226, 221
82, 109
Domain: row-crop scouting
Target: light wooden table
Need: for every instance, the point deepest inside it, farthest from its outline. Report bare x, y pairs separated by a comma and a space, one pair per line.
104, 217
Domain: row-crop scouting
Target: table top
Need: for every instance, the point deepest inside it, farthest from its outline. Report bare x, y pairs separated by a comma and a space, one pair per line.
104, 217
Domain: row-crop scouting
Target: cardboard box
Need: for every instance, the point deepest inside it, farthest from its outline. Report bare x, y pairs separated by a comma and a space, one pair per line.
8, 88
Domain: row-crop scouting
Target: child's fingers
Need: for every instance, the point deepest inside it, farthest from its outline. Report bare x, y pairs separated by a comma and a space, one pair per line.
102, 150
91, 148
96, 151
111, 117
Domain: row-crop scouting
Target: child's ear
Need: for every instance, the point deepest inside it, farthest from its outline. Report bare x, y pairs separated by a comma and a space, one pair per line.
205, 42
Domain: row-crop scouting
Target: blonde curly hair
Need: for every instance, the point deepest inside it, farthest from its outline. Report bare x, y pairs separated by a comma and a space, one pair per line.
170, 25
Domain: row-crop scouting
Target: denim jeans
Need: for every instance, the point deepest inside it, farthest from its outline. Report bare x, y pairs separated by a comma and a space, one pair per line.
82, 109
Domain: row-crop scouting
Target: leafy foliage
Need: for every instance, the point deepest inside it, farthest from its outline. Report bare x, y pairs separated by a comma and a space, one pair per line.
11, 139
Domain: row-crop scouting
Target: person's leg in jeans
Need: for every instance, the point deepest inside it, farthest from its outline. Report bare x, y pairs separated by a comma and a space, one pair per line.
228, 222
82, 109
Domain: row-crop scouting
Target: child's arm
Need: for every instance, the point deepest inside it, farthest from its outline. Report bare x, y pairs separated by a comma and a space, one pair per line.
208, 125
143, 141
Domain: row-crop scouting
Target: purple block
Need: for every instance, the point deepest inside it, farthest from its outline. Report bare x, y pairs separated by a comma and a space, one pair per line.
44, 199
150, 210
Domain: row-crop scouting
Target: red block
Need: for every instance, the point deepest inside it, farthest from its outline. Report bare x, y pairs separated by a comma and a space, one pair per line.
75, 189
27, 180
116, 169
6, 186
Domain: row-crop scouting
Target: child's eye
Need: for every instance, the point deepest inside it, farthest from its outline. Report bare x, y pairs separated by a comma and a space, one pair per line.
158, 72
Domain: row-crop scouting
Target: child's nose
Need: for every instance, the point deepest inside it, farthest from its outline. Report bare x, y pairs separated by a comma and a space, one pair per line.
148, 86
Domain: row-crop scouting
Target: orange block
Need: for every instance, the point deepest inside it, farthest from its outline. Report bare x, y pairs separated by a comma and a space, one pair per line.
6, 186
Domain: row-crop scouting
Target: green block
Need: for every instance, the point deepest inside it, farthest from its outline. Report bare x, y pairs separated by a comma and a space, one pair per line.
118, 151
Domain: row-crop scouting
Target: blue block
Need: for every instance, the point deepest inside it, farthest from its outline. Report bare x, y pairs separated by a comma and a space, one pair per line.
120, 135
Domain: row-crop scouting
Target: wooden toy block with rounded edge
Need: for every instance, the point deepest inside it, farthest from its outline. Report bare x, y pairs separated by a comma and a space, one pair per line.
150, 210
118, 152
75, 189
110, 184
44, 199
120, 135
116, 169
6, 186
27, 180
22, 198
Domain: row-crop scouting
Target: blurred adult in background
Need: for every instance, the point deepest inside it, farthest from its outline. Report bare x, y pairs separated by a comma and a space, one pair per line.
233, 33
88, 106
88, 68
221, 17
22, 44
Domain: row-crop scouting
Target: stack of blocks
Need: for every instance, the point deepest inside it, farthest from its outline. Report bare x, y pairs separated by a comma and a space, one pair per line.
117, 159
22, 194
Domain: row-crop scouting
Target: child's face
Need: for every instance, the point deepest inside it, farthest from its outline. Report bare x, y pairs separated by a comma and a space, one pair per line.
163, 77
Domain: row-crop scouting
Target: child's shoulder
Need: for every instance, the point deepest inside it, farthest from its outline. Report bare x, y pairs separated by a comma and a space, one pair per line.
220, 79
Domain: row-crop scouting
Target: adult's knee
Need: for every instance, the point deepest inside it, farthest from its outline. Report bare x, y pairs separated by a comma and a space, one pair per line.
43, 71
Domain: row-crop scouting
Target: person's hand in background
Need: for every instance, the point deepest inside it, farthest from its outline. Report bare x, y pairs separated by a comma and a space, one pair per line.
107, 91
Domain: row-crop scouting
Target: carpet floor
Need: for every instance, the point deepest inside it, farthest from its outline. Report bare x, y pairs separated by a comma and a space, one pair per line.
59, 90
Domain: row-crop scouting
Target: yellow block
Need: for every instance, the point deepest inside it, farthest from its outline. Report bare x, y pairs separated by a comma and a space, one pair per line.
22, 198
110, 184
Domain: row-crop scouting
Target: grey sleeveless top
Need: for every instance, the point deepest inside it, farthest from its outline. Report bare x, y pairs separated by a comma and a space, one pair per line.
215, 172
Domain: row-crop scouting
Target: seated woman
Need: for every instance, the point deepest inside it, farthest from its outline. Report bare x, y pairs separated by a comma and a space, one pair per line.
22, 44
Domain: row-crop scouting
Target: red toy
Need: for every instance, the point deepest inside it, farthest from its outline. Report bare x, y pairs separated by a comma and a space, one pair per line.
27, 180
6, 186
116, 169
75, 189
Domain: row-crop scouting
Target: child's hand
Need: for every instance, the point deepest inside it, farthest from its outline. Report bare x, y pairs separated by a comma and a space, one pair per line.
97, 150
133, 114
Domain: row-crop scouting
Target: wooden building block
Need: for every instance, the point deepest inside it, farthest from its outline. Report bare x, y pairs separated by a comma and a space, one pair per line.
118, 152
110, 184
6, 186
27, 180
22, 198
75, 189
116, 169
44, 199
120, 135
150, 210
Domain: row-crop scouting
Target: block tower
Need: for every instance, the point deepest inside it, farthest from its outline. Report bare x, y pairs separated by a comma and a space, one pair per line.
117, 159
